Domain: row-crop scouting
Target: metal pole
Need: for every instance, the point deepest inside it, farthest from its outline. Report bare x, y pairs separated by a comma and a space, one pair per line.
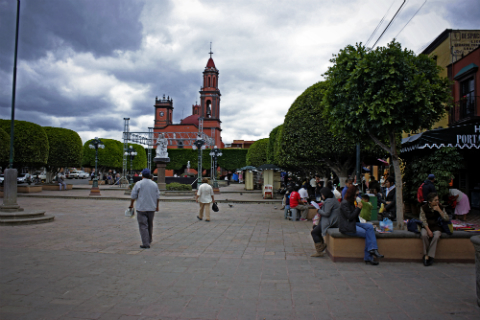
95, 179
131, 167
199, 181
10, 163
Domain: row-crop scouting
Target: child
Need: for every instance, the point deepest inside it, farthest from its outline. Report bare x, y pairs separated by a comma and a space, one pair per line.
366, 212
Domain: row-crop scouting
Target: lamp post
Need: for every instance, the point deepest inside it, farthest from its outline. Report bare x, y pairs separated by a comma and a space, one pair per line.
96, 144
132, 153
199, 145
215, 153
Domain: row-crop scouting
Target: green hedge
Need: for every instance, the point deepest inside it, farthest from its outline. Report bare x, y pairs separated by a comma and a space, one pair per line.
233, 159
66, 148
178, 186
4, 147
30, 143
257, 153
140, 160
109, 158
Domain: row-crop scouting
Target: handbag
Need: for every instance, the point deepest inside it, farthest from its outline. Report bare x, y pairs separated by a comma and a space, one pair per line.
130, 212
215, 207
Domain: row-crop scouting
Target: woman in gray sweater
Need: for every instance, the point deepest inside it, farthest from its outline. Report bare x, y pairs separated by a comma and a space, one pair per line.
329, 213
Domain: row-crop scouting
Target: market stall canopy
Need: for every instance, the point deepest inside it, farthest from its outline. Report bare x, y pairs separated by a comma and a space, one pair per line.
269, 167
247, 168
462, 136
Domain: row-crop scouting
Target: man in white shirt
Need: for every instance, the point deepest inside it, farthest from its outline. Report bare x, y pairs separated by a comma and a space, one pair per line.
147, 195
204, 197
303, 192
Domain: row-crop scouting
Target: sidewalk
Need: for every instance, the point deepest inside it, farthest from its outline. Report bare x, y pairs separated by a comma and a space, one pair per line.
247, 263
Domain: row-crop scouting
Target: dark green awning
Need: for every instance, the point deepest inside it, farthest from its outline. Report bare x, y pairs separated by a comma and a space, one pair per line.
470, 67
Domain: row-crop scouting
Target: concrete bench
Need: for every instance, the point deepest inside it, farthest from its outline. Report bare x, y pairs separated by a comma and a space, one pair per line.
401, 246
55, 187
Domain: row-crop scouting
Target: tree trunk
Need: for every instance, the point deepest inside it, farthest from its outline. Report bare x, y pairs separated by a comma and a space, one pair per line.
398, 181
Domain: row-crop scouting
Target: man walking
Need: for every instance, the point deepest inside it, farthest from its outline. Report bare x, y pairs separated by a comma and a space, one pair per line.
204, 197
147, 193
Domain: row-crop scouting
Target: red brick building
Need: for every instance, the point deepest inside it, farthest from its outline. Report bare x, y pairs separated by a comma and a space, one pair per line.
209, 109
466, 89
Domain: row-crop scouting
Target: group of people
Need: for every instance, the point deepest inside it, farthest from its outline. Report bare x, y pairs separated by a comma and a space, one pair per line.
350, 211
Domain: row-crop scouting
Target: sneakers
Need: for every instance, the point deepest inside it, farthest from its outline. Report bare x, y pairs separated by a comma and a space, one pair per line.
301, 219
145, 247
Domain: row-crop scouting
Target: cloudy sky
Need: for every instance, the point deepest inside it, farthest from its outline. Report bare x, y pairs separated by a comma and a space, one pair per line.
87, 64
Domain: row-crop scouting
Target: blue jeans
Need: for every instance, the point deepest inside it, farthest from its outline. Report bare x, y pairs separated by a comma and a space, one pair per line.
285, 212
365, 230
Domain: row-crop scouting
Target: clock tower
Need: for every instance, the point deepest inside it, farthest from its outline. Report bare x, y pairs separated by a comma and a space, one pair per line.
163, 112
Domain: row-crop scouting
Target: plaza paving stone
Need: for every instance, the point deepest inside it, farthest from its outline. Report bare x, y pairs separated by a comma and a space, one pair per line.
247, 263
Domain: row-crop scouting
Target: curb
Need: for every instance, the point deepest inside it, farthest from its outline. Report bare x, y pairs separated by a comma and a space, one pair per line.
161, 200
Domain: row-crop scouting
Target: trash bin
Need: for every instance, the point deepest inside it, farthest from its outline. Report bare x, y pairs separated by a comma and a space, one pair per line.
373, 201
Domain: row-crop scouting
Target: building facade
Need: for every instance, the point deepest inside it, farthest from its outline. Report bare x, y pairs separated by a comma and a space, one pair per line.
208, 109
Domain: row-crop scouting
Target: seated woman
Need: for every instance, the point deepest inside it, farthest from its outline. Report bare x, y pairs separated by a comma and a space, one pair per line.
329, 213
431, 230
349, 225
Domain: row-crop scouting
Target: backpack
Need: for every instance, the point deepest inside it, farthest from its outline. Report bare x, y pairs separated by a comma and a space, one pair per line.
413, 225
420, 193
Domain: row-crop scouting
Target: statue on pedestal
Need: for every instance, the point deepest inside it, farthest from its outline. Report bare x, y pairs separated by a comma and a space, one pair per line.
162, 143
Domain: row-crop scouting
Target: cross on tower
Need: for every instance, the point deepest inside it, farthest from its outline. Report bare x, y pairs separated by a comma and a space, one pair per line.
210, 50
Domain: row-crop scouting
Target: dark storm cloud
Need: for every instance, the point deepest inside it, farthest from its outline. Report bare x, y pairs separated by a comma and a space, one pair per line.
99, 27
464, 14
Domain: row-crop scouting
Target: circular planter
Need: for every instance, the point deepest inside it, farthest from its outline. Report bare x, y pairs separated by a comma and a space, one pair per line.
476, 243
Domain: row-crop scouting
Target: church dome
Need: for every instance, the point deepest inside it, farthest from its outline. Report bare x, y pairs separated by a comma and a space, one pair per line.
210, 63
193, 119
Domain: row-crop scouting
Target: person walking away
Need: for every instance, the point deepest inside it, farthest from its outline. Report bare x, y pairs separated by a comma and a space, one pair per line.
350, 225
428, 186
92, 174
329, 213
463, 203
366, 212
61, 182
204, 197
348, 184
295, 201
147, 195
431, 230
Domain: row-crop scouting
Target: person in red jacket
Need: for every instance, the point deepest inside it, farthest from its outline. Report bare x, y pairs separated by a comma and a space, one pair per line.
296, 202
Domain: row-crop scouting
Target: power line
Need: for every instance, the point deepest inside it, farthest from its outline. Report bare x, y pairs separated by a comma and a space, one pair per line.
379, 24
411, 18
389, 24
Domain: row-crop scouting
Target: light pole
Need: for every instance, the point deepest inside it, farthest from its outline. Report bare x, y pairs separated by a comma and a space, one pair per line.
132, 153
199, 145
215, 153
96, 144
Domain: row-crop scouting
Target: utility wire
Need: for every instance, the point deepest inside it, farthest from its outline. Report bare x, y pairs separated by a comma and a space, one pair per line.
379, 24
411, 18
389, 24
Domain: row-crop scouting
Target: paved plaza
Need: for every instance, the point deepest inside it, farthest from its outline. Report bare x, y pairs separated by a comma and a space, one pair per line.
247, 263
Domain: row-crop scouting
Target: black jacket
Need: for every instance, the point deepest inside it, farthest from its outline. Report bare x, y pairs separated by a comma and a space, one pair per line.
348, 217
392, 206
428, 187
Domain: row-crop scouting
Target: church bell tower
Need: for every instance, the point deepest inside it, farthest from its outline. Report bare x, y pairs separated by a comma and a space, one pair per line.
209, 93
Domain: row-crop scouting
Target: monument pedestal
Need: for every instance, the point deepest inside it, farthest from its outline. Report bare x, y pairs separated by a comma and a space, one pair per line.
161, 165
10, 192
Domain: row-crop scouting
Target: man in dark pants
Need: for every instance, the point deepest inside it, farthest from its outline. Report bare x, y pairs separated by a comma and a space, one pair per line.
147, 193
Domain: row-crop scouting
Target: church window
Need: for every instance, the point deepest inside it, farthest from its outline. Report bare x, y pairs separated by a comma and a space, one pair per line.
213, 82
208, 82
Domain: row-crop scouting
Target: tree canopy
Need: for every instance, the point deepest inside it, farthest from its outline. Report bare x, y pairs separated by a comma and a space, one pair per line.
4, 147
257, 153
140, 160
382, 92
30, 143
65, 150
109, 158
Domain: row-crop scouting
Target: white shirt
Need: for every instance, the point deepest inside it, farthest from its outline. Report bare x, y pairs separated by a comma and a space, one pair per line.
313, 182
389, 189
303, 193
337, 194
205, 193
456, 192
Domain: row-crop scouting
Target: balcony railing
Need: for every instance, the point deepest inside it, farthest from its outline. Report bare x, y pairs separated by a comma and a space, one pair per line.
465, 109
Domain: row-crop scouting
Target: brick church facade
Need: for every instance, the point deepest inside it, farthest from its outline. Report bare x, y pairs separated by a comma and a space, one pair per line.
209, 110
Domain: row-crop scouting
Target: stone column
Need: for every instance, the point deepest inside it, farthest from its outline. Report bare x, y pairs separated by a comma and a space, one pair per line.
161, 164
10, 192
476, 243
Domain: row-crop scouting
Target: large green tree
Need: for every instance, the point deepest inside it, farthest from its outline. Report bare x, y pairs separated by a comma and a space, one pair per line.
111, 157
66, 150
30, 144
257, 153
310, 146
4, 148
380, 93
233, 159
140, 160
